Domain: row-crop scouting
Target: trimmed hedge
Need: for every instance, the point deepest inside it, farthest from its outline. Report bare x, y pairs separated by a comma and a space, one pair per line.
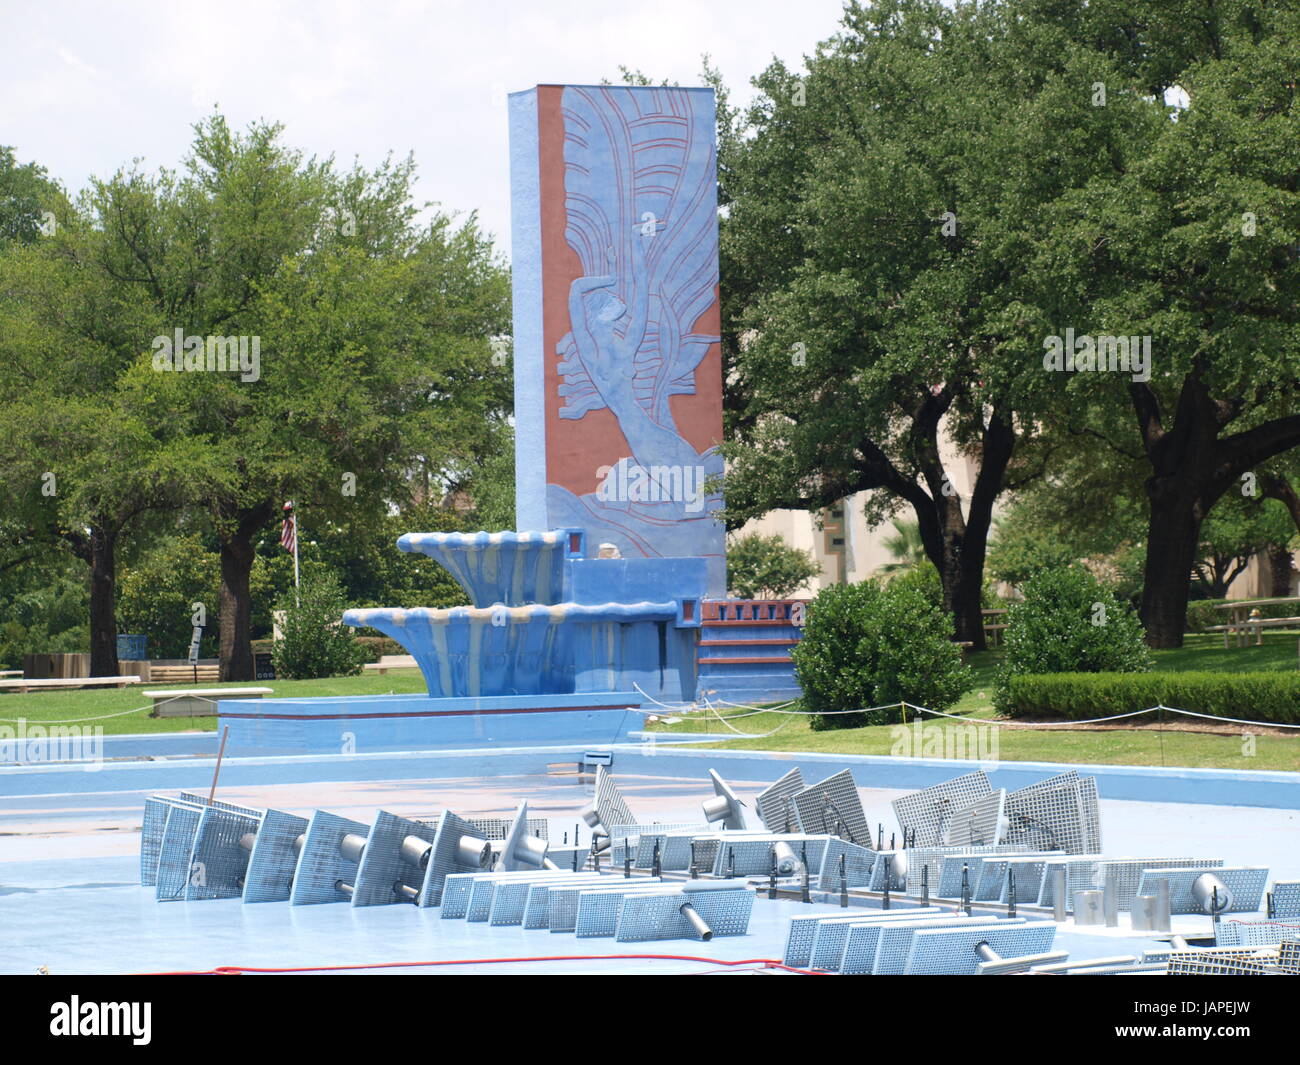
1076, 696
374, 646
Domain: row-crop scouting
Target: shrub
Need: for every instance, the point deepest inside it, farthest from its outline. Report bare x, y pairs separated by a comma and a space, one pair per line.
314, 641
1070, 623
1076, 696
766, 567
870, 644
925, 577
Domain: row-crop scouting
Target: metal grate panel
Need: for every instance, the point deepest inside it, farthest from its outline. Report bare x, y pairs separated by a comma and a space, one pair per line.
858, 863
951, 951
833, 801
882, 868
1246, 883
752, 856
1059, 813
483, 889
861, 944
1029, 879
927, 813
802, 929
980, 824
537, 910
647, 917
610, 805
1286, 898
219, 861
894, 943
511, 897
382, 865
563, 910
176, 850
1092, 873
442, 862
320, 864
1213, 963
499, 827
271, 866
1255, 933
151, 837
774, 803
598, 909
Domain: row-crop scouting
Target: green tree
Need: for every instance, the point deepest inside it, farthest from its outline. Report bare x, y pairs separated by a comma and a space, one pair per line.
28, 199
1192, 245
84, 453
766, 567
1236, 530
881, 210
374, 381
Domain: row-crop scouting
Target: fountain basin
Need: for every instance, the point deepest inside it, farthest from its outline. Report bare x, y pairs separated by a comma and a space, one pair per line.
514, 568
469, 652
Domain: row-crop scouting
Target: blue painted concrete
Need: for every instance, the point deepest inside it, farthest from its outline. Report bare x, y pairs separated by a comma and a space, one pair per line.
1220, 787
417, 722
526, 291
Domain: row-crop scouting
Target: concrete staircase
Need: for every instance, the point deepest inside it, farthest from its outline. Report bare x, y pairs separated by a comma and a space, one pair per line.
744, 649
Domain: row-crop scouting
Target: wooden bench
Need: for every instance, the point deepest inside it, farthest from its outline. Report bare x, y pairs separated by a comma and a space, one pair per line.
26, 684
197, 702
387, 662
11, 672
180, 674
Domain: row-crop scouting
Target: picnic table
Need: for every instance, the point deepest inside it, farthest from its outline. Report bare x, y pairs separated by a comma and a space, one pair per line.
994, 625
1242, 622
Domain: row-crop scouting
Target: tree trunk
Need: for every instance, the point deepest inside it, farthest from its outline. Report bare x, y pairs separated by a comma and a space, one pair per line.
236, 606
102, 556
1192, 467
1280, 569
1173, 532
963, 589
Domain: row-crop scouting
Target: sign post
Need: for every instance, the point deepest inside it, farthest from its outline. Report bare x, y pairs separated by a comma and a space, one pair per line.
196, 638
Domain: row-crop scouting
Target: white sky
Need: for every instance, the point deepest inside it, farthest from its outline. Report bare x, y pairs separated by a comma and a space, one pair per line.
85, 87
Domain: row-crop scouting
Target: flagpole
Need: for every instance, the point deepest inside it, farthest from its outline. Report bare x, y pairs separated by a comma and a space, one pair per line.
292, 523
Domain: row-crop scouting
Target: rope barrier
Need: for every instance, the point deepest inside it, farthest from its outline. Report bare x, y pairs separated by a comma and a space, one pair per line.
105, 717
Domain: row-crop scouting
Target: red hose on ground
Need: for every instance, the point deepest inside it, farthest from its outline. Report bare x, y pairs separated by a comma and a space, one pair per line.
236, 970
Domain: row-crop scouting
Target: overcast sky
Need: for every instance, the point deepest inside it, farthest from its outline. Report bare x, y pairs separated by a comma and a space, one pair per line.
85, 87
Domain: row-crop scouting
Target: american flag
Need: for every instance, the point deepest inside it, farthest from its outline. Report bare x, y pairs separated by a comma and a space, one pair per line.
288, 531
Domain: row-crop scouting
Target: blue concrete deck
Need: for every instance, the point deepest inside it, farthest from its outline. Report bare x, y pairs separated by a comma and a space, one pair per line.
70, 900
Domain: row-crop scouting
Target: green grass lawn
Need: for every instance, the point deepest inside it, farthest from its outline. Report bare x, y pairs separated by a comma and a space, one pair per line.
1136, 746
71, 706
